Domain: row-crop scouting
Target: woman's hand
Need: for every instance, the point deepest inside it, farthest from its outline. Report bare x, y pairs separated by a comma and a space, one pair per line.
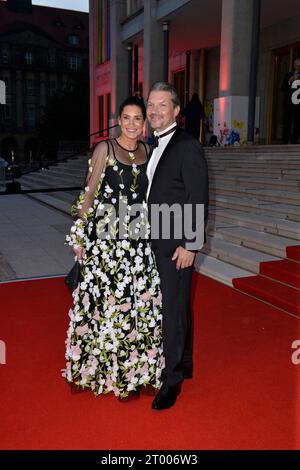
79, 252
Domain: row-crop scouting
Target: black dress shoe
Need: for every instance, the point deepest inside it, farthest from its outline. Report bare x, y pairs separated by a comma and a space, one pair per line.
165, 398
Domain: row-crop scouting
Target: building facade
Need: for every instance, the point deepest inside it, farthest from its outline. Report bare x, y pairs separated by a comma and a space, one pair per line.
40, 50
202, 46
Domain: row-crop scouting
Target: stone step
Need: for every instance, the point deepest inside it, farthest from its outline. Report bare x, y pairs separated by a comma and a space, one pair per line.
260, 194
68, 196
75, 165
44, 181
256, 182
284, 175
263, 223
257, 170
236, 255
260, 241
68, 171
283, 211
227, 165
253, 156
257, 148
52, 201
218, 270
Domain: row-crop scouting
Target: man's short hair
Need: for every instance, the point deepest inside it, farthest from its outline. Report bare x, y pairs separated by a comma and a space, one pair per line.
164, 86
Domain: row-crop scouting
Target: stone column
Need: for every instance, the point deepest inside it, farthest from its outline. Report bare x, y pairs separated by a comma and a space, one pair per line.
153, 47
93, 52
231, 108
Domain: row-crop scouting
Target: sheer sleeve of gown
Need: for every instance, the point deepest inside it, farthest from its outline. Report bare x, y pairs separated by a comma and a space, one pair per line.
83, 209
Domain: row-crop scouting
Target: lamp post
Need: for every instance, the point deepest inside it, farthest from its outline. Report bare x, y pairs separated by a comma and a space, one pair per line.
136, 68
253, 69
12, 165
187, 76
166, 31
129, 49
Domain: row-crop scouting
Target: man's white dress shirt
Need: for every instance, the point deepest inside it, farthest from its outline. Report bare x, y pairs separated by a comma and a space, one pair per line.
157, 153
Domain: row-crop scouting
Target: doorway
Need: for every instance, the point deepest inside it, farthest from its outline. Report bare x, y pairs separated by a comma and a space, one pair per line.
281, 64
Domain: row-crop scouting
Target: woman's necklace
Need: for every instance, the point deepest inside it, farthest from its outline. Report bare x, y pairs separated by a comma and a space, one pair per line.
130, 152
131, 156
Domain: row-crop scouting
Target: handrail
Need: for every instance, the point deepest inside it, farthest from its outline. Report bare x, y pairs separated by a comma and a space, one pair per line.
103, 130
48, 163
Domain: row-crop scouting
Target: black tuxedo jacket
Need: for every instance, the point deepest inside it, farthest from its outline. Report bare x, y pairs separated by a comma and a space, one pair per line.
180, 178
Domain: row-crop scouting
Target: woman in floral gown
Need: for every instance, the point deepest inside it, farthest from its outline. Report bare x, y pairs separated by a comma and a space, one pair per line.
114, 338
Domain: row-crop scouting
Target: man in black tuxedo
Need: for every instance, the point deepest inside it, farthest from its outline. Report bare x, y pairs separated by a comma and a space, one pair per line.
177, 173
291, 111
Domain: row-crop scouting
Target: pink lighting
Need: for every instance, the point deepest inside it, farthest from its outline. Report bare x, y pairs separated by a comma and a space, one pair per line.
224, 75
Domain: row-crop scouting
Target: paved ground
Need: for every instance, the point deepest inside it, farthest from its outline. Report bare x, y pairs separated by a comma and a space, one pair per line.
32, 239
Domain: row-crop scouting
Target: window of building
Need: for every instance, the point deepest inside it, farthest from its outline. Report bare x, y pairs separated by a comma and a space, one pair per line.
7, 84
52, 87
30, 116
4, 56
103, 31
28, 57
79, 26
29, 87
5, 112
132, 6
73, 39
51, 59
74, 62
104, 113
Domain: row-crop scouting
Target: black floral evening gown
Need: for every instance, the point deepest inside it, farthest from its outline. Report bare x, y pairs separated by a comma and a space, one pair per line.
114, 340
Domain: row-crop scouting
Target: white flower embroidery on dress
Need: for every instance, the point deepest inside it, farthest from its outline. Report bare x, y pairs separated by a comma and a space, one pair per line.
114, 340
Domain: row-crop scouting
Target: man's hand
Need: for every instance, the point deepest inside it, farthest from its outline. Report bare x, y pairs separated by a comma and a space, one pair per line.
184, 258
79, 252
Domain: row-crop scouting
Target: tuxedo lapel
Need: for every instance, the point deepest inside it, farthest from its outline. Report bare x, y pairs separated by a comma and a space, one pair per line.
163, 155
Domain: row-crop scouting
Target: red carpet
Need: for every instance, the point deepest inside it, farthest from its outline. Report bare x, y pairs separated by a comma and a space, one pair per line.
245, 393
278, 282
276, 294
285, 271
293, 252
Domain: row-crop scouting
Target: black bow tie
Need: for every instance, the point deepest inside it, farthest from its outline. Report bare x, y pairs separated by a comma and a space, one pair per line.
155, 138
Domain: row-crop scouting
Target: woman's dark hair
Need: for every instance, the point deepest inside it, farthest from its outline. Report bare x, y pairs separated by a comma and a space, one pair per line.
133, 101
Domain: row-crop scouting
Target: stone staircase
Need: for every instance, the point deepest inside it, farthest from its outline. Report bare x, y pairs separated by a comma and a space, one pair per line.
66, 174
254, 219
253, 241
